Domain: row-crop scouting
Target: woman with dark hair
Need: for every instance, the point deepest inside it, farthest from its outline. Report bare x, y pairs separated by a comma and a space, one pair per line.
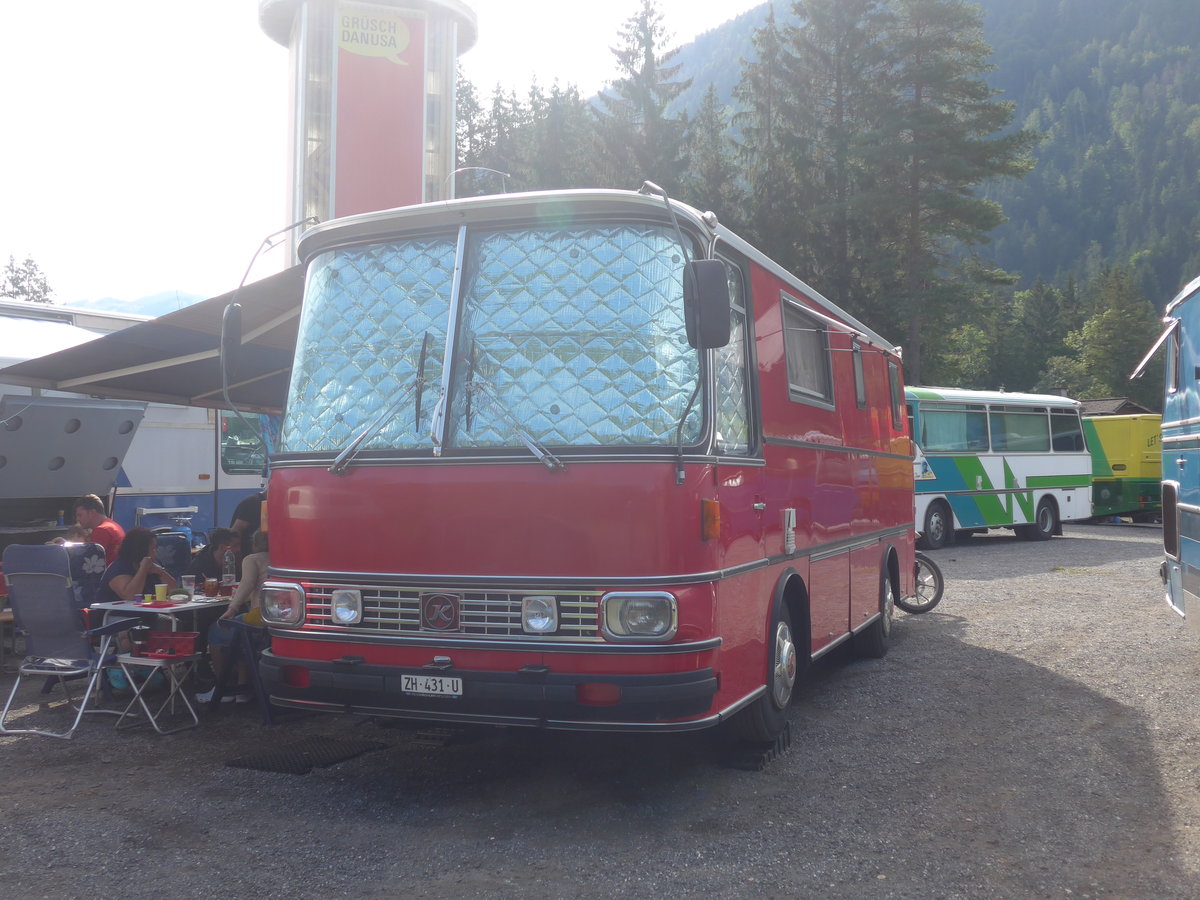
135, 570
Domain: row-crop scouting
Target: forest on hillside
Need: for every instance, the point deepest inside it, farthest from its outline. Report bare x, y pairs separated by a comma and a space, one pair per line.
1008, 188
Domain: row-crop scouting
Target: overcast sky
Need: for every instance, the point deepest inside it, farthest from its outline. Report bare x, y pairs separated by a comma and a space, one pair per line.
144, 146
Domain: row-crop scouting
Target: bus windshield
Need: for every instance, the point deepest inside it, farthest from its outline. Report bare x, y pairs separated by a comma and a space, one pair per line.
576, 333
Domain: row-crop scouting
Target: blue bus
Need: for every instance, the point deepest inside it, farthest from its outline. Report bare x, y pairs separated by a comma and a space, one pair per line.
1181, 452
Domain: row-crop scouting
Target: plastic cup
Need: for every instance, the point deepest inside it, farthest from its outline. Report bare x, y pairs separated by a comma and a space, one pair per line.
189, 585
210, 587
160, 593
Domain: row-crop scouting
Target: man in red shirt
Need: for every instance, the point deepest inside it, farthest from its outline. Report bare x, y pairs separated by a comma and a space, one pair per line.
89, 512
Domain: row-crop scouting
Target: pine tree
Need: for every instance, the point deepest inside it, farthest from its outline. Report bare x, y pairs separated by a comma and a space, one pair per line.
565, 145
1109, 345
941, 138
766, 150
833, 67
643, 139
711, 181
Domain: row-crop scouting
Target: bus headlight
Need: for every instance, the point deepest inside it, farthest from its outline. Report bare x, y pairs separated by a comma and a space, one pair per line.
345, 608
639, 617
283, 604
539, 615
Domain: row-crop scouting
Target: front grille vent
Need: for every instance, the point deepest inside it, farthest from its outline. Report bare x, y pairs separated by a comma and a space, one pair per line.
482, 614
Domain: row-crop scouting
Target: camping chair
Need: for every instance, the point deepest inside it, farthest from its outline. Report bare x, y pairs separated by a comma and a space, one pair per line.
174, 552
57, 646
86, 562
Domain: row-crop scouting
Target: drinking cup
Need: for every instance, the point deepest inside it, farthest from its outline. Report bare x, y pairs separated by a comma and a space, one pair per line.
160, 593
189, 585
210, 587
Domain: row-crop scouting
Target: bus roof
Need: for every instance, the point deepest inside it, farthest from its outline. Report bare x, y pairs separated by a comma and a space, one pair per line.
1188, 289
551, 208
961, 395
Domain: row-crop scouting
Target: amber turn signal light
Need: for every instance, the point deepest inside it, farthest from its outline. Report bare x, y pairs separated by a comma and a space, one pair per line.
710, 519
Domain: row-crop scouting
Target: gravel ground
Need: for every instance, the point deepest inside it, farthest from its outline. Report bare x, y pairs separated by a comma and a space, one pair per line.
1034, 736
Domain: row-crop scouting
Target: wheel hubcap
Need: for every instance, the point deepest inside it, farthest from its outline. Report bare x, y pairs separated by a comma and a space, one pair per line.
785, 666
937, 526
889, 607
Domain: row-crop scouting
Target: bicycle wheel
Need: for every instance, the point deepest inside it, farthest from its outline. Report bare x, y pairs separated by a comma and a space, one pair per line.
929, 586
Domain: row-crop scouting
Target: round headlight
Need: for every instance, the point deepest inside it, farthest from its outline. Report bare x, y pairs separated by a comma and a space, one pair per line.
539, 615
345, 607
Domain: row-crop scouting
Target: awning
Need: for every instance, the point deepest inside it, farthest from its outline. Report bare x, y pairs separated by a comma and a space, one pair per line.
175, 358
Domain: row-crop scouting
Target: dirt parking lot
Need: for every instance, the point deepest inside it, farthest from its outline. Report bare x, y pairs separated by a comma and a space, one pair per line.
1034, 736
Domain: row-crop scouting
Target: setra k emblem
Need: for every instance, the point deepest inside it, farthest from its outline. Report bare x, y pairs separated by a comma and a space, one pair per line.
439, 612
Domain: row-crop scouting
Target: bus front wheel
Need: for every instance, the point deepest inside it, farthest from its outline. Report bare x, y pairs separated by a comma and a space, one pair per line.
939, 524
764, 719
1045, 522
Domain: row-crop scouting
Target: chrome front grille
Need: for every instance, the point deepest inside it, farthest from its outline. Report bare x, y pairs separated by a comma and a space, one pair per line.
494, 615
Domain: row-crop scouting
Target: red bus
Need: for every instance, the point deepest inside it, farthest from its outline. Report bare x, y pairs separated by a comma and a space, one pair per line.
576, 460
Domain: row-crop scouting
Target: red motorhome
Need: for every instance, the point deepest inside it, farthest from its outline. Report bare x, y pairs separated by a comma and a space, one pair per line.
576, 460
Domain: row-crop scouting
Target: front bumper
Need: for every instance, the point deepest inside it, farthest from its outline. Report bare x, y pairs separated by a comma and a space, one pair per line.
534, 696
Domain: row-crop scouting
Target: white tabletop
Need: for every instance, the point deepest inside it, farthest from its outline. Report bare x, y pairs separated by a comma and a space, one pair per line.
124, 606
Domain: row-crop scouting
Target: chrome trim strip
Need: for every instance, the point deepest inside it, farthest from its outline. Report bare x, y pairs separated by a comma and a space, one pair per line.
847, 545
832, 645
550, 582
812, 445
515, 582
865, 625
447, 641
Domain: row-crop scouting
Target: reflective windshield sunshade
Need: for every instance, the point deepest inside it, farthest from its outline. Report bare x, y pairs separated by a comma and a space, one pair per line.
565, 337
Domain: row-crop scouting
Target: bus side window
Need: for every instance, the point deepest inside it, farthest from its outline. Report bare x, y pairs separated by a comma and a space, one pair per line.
1067, 431
897, 397
806, 345
732, 390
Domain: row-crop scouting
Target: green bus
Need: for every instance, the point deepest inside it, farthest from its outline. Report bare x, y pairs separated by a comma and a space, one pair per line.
994, 459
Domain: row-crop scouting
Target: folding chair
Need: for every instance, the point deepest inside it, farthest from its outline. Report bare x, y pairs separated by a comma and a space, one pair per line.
174, 552
42, 597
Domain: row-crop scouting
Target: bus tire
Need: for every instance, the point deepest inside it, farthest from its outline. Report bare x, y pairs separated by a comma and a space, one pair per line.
874, 639
939, 526
764, 719
1044, 524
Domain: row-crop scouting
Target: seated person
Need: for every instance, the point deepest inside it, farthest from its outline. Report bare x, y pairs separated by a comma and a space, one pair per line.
89, 513
245, 606
208, 560
135, 570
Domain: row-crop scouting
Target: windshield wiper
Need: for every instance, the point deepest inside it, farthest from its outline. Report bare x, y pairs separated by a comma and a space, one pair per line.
476, 385
344, 458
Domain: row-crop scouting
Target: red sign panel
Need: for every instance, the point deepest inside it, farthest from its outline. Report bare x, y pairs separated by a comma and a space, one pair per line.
380, 116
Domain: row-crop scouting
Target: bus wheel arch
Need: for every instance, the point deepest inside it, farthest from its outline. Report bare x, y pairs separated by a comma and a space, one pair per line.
788, 652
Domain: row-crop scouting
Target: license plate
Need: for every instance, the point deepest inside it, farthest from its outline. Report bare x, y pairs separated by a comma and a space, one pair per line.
431, 685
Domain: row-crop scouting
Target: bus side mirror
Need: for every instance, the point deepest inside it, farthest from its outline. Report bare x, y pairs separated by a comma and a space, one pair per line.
706, 304
231, 340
